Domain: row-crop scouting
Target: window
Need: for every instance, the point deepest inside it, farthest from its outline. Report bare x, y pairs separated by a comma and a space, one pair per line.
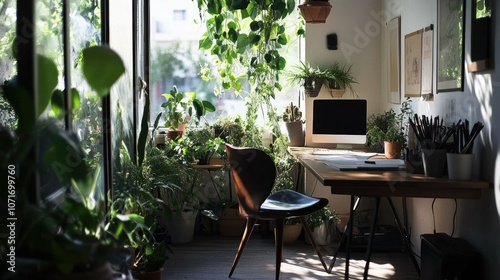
176, 60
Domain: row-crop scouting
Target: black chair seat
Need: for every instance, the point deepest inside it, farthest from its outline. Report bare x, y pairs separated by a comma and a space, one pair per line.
288, 203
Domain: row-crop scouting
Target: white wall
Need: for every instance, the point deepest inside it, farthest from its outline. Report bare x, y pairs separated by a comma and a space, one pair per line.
477, 221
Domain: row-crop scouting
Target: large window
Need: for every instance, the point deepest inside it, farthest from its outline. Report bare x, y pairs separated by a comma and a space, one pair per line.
176, 60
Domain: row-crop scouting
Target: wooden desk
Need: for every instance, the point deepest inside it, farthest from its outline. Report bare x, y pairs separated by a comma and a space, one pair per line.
384, 184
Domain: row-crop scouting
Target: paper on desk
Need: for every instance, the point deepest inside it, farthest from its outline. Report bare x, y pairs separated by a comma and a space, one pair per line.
356, 164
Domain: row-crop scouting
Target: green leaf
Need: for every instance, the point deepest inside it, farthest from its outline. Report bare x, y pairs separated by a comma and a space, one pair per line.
46, 82
57, 103
242, 41
75, 98
205, 42
208, 106
102, 67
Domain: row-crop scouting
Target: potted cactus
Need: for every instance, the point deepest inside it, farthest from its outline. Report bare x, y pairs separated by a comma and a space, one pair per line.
292, 118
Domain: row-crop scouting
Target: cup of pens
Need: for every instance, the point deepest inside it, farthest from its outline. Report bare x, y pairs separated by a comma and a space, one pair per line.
432, 136
460, 158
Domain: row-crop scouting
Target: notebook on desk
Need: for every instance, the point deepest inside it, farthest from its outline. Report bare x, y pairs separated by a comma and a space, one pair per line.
347, 164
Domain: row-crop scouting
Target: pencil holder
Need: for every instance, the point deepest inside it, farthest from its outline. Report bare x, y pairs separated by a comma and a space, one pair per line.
434, 161
460, 166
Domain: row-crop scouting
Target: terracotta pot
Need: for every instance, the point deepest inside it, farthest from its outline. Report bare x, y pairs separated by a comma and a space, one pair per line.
153, 275
101, 273
315, 11
173, 134
392, 149
291, 233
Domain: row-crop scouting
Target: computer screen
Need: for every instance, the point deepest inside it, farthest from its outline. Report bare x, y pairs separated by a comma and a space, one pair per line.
339, 121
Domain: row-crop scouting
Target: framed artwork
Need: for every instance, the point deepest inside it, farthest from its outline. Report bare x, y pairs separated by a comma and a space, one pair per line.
481, 39
413, 63
393, 63
427, 47
450, 45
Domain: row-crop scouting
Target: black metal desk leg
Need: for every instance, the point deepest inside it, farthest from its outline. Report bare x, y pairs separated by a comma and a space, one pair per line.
349, 237
404, 235
370, 240
343, 237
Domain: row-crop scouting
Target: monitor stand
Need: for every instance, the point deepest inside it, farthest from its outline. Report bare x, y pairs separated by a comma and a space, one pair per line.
344, 147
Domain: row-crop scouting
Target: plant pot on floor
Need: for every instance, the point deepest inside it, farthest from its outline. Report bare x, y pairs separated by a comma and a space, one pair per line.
321, 235
230, 223
153, 275
291, 233
181, 226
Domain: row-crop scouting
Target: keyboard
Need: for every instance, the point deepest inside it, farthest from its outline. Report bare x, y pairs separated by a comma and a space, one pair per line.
330, 152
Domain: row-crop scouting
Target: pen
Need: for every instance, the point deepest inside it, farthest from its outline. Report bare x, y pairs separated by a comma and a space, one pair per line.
369, 161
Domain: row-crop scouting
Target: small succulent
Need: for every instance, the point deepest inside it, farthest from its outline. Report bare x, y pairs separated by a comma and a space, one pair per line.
292, 113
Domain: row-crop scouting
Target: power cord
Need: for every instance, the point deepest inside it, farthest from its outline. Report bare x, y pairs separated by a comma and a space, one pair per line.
454, 216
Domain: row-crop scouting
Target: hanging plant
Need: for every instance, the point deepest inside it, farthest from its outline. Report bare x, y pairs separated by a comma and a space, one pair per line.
247, 36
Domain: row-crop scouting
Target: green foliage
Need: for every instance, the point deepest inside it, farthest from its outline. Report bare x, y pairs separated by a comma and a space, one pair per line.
340, 77
57, 238
230, 129
388, 126
182, 106
324, 215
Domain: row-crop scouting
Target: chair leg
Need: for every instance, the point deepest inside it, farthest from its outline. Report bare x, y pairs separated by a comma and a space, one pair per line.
244, 239
313, 242
279, 245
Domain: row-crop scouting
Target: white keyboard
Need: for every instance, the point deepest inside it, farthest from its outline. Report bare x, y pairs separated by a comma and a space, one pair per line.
330, 152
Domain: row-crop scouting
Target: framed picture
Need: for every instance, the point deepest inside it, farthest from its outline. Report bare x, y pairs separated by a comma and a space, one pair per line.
413, 63
450, 45
426, 86
393, 63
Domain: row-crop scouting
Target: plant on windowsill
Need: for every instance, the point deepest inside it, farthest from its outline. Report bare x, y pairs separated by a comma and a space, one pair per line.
387, 131
181, 107
292, 116
339, 80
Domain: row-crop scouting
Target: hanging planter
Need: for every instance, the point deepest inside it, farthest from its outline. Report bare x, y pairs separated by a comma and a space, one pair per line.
315, 11
312, 86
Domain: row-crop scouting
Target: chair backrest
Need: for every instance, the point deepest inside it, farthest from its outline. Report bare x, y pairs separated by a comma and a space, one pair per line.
254, 174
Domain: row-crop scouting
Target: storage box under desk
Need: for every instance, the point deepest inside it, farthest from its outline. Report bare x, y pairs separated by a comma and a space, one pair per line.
446, 257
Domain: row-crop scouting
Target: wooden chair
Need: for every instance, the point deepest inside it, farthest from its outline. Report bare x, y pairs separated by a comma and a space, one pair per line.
254, 174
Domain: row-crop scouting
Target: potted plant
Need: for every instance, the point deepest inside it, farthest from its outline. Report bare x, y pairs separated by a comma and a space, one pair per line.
386, 131
229, 129
181, 107
312, 78
178, 190
292, 229
339, 80
315, 11
67, 238
292, 116
321, 223
200, 145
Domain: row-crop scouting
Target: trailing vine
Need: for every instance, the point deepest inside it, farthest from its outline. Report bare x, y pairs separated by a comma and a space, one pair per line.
248, 37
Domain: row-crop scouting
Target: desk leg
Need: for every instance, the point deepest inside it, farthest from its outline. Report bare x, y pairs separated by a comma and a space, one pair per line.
370, 240
349, 236
345, 234
404, 235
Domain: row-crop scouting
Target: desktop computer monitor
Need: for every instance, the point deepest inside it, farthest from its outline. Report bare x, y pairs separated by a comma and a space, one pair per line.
339, 121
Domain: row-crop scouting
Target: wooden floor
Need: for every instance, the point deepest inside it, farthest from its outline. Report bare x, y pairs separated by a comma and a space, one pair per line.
210, 257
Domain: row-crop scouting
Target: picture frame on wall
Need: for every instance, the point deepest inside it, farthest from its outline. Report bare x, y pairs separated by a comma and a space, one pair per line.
427, 56
393, 61
450, 45
413, 63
